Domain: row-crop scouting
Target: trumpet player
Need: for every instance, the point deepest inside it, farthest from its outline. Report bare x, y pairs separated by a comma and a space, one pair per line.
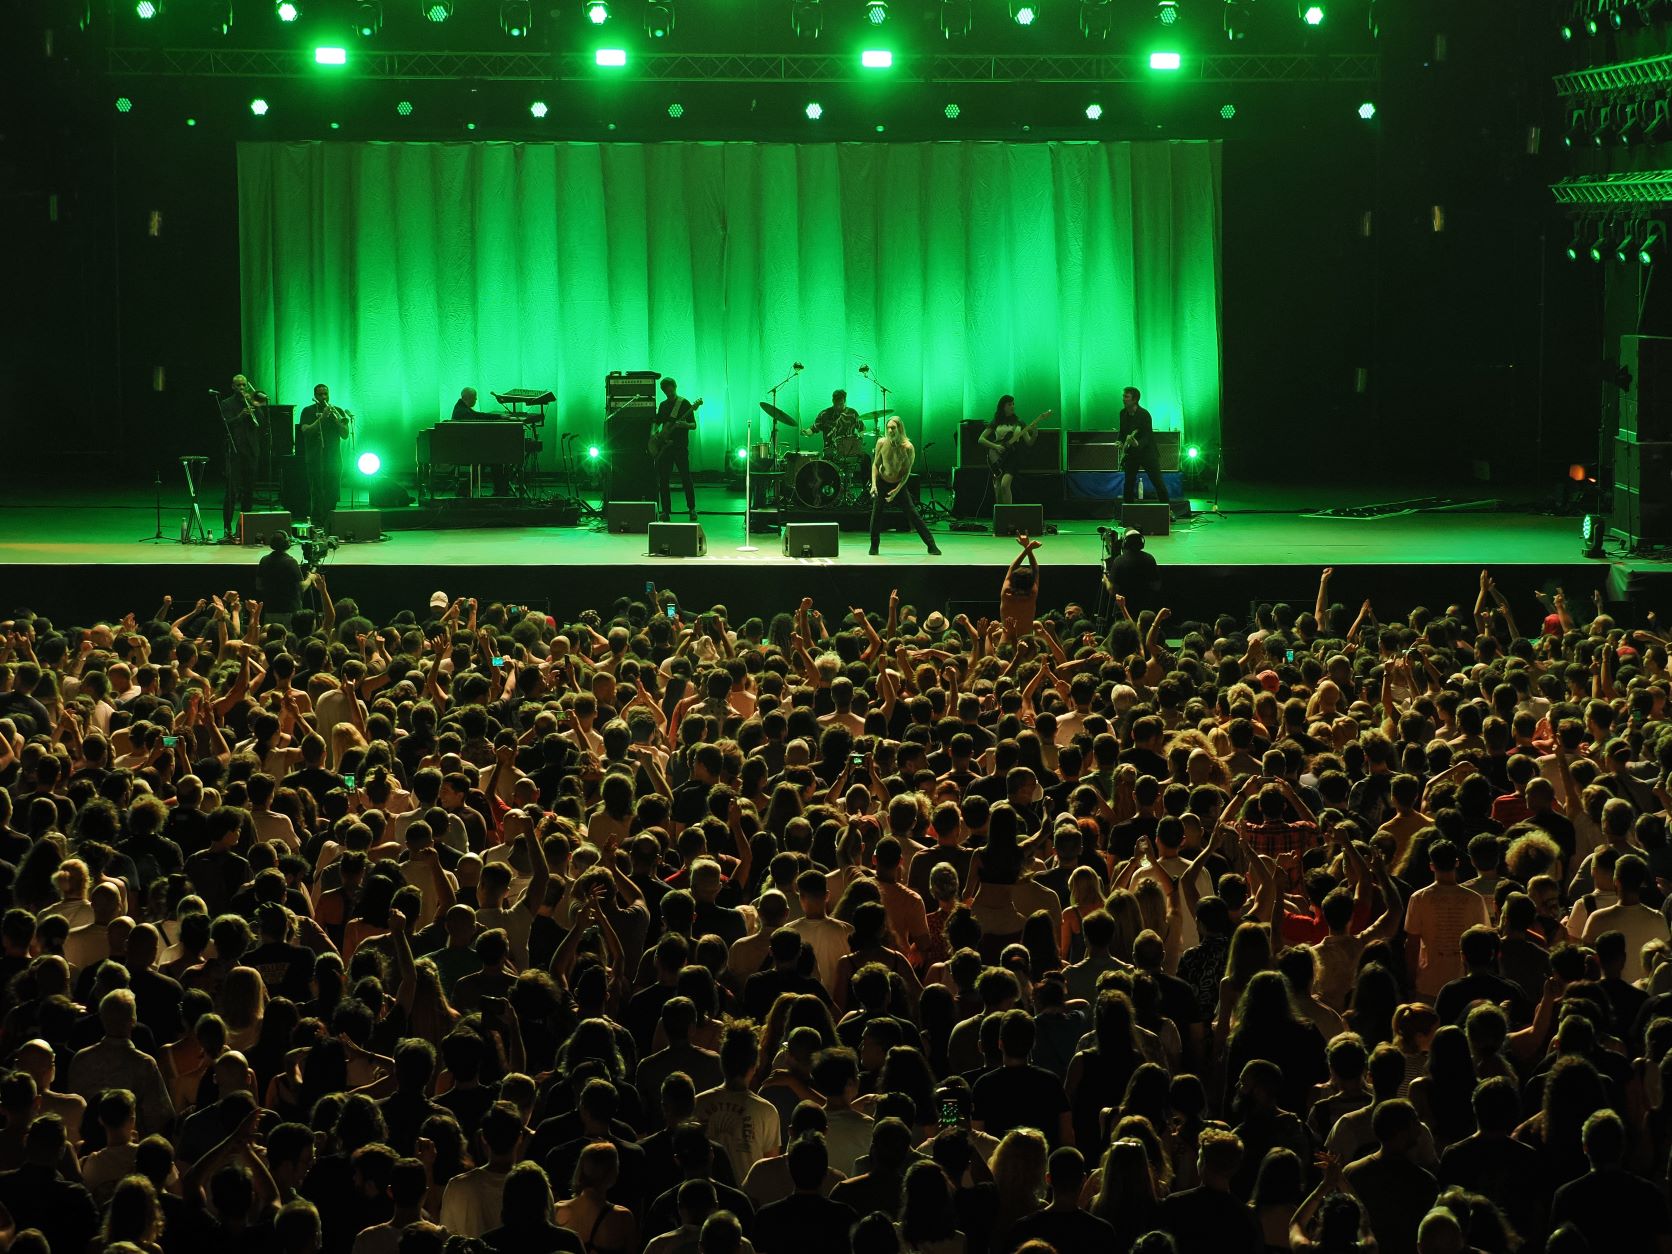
323, 428
244, 415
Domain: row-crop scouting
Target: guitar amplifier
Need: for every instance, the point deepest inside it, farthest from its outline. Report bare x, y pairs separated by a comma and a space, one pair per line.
678, 539
1044, 454
1093, 450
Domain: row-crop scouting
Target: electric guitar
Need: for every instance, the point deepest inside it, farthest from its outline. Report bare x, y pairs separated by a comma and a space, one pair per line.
686, 422
1001, 461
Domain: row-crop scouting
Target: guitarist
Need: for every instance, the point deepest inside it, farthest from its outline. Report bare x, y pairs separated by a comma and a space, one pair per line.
670, 445
1004, 438
1137, 451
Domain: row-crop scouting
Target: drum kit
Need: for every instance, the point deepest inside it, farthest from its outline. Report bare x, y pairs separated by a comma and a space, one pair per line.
836, 478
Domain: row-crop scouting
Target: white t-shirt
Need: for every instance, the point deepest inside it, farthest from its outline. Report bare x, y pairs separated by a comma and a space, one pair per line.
744, 1123
1640, 925
1439, 915
829, 939
470, 1204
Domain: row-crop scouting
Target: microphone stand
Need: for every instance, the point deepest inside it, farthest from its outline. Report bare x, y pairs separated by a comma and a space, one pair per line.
749, 459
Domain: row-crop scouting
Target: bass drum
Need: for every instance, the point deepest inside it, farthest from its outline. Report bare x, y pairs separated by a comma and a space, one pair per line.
817, 485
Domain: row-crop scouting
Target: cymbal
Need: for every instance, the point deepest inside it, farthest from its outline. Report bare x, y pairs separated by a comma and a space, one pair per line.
875, 414
778, 416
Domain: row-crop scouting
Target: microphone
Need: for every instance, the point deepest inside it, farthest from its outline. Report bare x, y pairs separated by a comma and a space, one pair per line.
799, 366
213, 392
865, 370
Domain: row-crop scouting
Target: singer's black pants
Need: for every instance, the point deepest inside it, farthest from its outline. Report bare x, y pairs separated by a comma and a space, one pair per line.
675, 456
1145, 457
907, 506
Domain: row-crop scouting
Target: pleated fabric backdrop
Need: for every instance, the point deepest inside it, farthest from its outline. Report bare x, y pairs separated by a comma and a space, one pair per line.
1059, 272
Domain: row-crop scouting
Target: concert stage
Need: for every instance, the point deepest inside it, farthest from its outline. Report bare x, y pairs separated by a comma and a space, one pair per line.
80, 560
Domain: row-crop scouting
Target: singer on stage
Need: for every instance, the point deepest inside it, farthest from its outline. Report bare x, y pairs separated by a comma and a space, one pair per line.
323, 428
244, 415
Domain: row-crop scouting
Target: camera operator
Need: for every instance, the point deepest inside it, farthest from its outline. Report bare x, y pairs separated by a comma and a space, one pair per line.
280, 576
1132, 573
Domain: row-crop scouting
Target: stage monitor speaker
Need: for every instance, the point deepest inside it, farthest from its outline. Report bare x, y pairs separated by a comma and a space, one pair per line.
629, 518
356, 525
677, 539
384, 493
258, 527
1018, 520
1643, 490
810, 539
1151, 518
1646, 407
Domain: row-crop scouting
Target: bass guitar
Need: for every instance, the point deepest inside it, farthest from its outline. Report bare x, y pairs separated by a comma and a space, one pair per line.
1002, 461
687, 421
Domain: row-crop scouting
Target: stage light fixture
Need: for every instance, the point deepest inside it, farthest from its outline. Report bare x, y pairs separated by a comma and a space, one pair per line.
124, 105
369, 464
1367, 111
952, 111
438, 10
516, 17
1575, 245
876, 12
1024, 12
807, 18
1599, 245
1167, 12
259, 107
287, 10
814, 111
876, 59
1094, 112
1593, 530
330, 56
191, 121
404, 108
676, 110
610, 58
1616, 14
1312, 14
593, 452
220, 16
1096, 18
597, 11
145, 10
956, 18
1227, 111
741, 454
1625, 121
538, 109
1577, 129
1653, 234
658, 19
1164, 61
1625, 247
368, 17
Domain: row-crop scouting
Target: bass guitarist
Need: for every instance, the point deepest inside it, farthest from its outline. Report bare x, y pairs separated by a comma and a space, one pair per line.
1004, 438
670, 446
1137, 449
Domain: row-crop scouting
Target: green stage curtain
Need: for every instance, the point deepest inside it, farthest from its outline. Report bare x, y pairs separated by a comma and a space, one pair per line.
1059, 272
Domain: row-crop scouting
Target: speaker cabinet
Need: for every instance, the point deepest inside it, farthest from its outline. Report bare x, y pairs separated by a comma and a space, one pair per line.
1151, 518
258, 527
1646, 409
1643, 489
808, 539
356, 525
1018, 520
624, 518
677, 539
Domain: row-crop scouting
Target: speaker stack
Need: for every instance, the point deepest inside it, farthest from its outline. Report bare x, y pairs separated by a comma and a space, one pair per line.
1643, 447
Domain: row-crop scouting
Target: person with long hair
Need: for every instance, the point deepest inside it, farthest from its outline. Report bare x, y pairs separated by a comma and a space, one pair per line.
1126, 1198
1279, 1189
1003, 439
1018, 1168
1250, 953
891, 467
1442, 1093
990, 887
1269, 1027
928, 1220
134, 1216
1097, 1077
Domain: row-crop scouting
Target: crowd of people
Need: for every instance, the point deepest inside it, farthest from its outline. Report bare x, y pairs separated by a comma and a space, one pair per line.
839, 930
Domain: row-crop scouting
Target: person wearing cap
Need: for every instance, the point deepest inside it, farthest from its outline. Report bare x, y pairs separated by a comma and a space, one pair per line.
439, 603
1133, 574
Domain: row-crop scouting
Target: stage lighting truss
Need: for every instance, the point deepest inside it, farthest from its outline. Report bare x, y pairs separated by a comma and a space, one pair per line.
368, 17
658, 19
956, 18
1096, 18
516, 18
807, 18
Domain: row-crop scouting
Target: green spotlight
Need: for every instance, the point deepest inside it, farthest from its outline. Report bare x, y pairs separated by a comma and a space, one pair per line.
1164, 60
1094, 112
1313, 15
438, 10
369, 463
404, 108
612, 58
593, 452
815, 111
538, 109
1192, 453
145, 10
876, 12
876, 58
742, 454
597, 12
330, 56
259, 107
124, 105
1367, 110
1228, 111
1651, 242
676, 110
287, 11
1024, 13
952, 111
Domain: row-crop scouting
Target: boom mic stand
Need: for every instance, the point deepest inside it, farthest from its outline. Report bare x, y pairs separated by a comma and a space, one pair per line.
749, 459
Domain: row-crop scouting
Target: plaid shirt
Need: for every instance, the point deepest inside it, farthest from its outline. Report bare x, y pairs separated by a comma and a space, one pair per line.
1272, 840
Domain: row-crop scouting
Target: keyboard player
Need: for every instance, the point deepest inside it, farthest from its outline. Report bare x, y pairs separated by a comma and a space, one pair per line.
464, 410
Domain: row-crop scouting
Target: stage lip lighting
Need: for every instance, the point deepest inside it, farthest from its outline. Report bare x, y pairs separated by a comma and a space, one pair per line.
611, 58
1165, 60
369, 463
876, 58
330, 56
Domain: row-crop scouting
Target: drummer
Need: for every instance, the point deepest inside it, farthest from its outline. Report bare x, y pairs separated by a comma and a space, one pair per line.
838, 425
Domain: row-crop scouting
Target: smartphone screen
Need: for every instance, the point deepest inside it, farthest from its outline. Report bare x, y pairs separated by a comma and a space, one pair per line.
498, 662
348, 781
170, 741
650, 591
1289, 655
857, 759
949, 1114
673, 611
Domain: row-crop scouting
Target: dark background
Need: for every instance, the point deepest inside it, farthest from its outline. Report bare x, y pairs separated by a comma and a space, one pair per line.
1472, 352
